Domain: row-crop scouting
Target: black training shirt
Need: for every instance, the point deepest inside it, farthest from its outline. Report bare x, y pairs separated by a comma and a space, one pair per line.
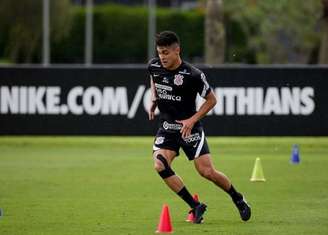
176, 90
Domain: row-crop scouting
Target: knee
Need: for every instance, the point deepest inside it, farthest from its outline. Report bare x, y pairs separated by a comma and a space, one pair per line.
158, 166
163, 167
207, 172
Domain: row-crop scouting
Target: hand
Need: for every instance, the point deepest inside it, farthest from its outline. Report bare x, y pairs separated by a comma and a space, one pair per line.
187, 126
151, 113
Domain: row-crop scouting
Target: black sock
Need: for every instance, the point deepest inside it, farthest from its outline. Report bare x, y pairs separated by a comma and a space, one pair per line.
234, 194
186, 196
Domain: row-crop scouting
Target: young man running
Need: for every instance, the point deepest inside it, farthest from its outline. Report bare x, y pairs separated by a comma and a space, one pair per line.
175, 85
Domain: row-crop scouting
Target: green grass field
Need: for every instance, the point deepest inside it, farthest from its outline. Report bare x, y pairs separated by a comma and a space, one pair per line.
100, 185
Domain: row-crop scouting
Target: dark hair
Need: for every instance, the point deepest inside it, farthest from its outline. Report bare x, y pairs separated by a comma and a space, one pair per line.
167, 38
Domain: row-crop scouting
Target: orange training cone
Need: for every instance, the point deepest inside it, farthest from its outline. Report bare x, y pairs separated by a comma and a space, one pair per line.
164, 225
190, 217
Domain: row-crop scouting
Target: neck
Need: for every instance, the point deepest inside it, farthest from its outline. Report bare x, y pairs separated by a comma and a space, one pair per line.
176, 65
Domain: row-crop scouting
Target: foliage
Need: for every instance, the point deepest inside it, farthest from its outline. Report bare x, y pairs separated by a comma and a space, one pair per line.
21, 26
282, 31
257, 31
120, 34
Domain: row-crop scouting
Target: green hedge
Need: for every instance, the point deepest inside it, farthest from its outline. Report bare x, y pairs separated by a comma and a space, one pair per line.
120, 34
256, 32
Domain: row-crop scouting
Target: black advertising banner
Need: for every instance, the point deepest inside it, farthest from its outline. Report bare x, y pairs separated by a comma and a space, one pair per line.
252, 101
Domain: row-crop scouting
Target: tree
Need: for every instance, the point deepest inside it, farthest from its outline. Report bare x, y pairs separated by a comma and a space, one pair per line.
21, 22
278, 32
214, 33
323, 57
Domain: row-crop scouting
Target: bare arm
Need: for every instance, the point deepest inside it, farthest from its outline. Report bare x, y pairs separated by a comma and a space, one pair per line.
188, 124
153, 103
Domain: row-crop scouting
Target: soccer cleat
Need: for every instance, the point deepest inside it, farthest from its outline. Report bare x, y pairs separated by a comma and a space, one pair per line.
198, 212
244, 208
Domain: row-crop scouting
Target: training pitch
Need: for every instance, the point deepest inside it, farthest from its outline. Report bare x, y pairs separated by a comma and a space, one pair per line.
107, 185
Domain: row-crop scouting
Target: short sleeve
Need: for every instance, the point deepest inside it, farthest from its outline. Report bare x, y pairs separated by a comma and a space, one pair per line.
203, 87
153, 63
149, 67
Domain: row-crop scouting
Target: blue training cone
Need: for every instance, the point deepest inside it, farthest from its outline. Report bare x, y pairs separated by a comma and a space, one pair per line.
295, 158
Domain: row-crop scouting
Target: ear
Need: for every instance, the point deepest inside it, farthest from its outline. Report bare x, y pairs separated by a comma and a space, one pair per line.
177, 50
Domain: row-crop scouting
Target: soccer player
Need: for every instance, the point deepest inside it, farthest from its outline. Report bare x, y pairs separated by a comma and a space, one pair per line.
174, 87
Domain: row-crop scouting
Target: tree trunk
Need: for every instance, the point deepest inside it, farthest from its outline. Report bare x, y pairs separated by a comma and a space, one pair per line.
323, 56
214, 33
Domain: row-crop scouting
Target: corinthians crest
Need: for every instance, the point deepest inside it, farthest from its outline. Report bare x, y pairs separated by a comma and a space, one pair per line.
178, 79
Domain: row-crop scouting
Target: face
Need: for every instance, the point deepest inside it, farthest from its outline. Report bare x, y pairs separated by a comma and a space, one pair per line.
169, 56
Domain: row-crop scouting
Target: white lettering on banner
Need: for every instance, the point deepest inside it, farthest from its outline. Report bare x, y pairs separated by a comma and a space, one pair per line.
53, 100
136, 102
230, 94
272, 102
73, 106
9, 100
260, 101
115, 100
23, 100
92, 100
245, 103
35, 100
259, 94
307, 95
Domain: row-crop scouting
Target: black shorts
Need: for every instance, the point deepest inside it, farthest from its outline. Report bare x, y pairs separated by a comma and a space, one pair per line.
194, 145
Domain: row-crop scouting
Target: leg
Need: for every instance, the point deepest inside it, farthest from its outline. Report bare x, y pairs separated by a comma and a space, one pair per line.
163, 159
172, 180
206, 169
